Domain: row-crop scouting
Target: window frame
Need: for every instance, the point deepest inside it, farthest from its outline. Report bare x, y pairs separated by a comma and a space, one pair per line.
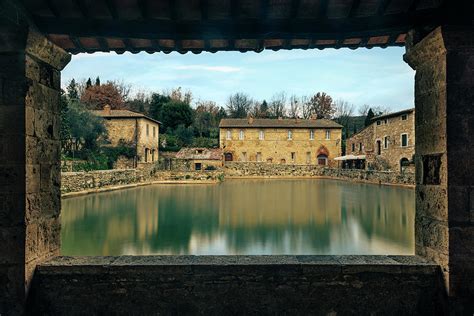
290, 134
241, 134
401, 140
261, 135
311, 134
328, 134
385, 142
228, 135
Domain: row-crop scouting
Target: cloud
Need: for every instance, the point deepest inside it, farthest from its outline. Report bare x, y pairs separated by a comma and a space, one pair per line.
208, 68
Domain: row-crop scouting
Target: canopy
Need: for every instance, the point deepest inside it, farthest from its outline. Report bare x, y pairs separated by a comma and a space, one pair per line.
350, 157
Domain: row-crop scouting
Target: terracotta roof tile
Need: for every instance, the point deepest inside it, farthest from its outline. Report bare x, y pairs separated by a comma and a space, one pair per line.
279, 123
122, 114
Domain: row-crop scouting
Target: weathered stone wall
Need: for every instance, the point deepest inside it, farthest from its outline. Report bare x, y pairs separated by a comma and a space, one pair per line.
146, 140
392, 128
444, 87
238, 285
85, 181
276, 147
252, 169
29, 156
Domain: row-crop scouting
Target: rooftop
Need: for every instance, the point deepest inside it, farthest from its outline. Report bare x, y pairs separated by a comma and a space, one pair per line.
235, 25
122, 114
393, 114
200, 153
279, 123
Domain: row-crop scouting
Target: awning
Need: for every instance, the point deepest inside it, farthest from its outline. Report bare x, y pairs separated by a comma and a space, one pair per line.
350, 157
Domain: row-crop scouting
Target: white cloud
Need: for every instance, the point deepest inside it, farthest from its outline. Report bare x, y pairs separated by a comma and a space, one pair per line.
208, 68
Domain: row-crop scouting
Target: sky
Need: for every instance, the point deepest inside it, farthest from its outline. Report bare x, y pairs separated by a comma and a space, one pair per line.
378, 77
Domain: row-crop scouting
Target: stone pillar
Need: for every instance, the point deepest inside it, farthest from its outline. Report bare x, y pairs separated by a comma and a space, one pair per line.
30, 68
444, 103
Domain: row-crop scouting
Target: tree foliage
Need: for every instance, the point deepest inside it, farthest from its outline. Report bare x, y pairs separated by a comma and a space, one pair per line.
238, 105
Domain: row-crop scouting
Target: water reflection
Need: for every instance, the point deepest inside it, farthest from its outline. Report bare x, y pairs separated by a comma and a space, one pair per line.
242, 217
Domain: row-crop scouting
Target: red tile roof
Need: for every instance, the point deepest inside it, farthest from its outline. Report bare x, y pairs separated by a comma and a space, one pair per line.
122, 114
278, 123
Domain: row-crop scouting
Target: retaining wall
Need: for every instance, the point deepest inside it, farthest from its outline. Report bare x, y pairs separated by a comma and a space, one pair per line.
255, 169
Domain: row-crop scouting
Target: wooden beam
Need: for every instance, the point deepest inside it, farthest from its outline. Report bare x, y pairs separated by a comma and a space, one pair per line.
382, 7
295, 6
104, 47
263, 9
112, 8
173, 9
413, 5
52, 8
229, 29
143, 6
323, 9
354, 8
204, 10
77, 44
82, 7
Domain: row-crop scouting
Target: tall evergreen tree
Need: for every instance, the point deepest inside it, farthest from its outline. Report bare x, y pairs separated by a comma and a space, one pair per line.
88, 83
369, 117
72, 90
97, 81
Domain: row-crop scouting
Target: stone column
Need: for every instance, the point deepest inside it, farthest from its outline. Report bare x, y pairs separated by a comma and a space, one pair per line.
30, 68
444, 103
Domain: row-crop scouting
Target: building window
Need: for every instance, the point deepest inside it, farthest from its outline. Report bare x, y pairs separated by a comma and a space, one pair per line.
290, 135
261, 135
385, 142
197, 166
322, 160
152, 155
244, 156
404, 117
154, 131
311, 134
241, 135
385, 121
199, 151
228, 135
378, 122
146, 154
379, 147
404, 140
293, 157
308, 157
353, 147
328, 135
259, 156
147, 130
360, 147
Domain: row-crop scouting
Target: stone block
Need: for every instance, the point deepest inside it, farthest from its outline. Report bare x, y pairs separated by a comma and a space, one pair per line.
12, 240
41, 48
11, 209
42, 73
43, 98
33, 178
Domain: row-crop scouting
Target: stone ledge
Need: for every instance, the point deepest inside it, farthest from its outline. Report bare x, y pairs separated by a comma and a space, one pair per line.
190, 260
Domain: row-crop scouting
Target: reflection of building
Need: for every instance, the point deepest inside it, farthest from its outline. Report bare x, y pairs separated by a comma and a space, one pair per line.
199, 158
132, 129
280, 141
387, 143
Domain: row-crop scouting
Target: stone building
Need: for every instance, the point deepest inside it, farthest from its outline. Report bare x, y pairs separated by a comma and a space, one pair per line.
199, 159
387, 143
281, 141
132, 129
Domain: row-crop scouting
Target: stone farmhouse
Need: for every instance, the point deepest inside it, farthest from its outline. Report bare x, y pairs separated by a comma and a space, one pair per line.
387, 143
135, 129
198, 159
281, 141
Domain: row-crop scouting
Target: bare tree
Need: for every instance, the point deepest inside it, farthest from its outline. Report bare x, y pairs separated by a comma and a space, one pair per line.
321, 104
380, 110
343, 112
239, 105
305, 107
295, 104
364, 109
278, 105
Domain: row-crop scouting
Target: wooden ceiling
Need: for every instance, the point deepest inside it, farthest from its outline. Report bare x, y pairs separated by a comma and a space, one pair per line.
229, 25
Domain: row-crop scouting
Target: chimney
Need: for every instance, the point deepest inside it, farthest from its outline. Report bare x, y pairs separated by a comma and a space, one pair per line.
107, 109
314, 116
250, 119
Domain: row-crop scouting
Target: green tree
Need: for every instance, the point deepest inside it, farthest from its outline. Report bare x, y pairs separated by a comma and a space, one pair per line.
175, 113
97, 81
184, 135
88, 83
369, 117
157, 101
73, 90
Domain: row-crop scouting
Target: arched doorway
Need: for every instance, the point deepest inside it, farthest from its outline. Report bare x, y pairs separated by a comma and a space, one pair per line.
322, 160
322, 156
228, 157
404, 162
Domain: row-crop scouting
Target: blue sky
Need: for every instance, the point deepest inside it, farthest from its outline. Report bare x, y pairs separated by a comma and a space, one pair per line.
377, 77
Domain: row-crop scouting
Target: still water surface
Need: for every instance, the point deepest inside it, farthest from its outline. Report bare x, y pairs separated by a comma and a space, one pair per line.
242, 217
